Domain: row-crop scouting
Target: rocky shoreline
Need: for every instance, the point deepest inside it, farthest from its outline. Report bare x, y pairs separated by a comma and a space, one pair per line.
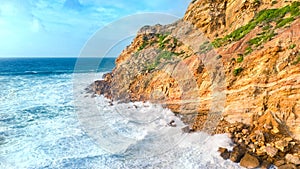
260, 145
239, 57
264, 142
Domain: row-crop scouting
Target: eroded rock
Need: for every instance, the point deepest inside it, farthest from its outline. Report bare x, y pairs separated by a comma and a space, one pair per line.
293, 159
287, 166
249, 161
271, 151
237, 153
225, 154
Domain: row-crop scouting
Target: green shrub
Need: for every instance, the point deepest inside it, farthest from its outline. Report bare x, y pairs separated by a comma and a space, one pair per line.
161, 41
269, 15
165, 55
267, 27
205, 47
175, 41
295, 11
237, 71
217, 42
144, 44
266, 36
248, 50
240, 32
255, 41
282, 22
264, 16
151, 67
297, 61
292, 46
240, 59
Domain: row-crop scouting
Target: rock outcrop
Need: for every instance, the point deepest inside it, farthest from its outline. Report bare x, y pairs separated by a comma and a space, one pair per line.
268, 140
251, 71
226, 61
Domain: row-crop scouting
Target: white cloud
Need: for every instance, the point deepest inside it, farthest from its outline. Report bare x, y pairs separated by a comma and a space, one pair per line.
47, 23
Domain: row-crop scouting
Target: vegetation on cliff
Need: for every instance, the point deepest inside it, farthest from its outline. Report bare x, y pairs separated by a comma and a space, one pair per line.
174, 65
263, 18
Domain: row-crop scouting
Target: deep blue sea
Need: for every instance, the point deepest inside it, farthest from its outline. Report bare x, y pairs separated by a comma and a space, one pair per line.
50, 66
47, 120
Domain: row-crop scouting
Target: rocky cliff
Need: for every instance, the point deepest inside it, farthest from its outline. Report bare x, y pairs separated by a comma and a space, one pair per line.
226, 60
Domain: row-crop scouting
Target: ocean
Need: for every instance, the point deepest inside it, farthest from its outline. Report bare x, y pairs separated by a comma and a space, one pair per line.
48, 120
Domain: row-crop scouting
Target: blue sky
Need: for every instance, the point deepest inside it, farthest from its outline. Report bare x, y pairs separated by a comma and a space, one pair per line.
44, 28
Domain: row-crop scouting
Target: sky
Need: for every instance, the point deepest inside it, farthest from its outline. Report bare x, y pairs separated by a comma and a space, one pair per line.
60, 28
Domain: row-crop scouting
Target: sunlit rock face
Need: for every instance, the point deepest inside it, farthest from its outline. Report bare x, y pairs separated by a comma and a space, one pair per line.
251, 67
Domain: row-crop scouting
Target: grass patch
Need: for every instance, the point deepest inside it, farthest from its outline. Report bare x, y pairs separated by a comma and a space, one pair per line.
161, 40
267, 27
264, 16
297, 61
266, 36
166, 55
282, 22
205, 47
144, 44
218, 42
248, 50
292, 46
151, 67
295, 11
241, 32
240, 59
237, 71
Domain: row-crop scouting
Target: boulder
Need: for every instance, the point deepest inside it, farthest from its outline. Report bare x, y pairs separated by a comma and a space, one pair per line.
279, 163
281, 145
288, 166
225, 154
249, 161
292, 159
186, 129
237, 153
265, 164
271, 151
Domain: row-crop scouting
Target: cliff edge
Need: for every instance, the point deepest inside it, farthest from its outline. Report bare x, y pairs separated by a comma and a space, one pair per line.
227, 61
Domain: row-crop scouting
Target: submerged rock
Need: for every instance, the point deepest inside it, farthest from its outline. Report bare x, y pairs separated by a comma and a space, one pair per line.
187, 129
225, 154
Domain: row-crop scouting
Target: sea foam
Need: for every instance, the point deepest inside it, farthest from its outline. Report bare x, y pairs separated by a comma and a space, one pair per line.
50, 122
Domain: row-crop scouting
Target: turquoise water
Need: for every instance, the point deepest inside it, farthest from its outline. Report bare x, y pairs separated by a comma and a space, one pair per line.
42, 110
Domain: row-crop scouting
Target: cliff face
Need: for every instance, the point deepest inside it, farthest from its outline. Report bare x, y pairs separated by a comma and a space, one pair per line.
231, 59
217, 18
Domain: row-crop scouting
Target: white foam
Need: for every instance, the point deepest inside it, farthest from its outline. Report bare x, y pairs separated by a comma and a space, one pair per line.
41, 130
139, 132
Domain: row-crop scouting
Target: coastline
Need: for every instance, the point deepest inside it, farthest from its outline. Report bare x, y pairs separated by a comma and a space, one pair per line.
264, 143
177, 66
